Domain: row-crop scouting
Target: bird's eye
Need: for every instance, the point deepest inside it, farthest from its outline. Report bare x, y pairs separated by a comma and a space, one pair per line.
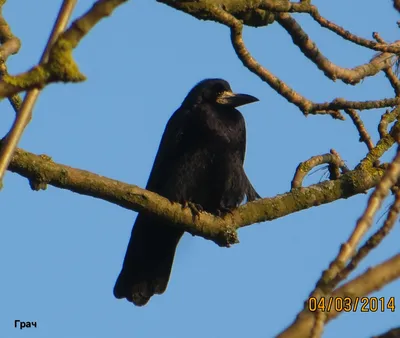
219, 88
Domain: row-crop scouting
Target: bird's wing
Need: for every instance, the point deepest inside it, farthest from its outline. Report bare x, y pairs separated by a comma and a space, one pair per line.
168, 151
150, 253
251, 193
242, 139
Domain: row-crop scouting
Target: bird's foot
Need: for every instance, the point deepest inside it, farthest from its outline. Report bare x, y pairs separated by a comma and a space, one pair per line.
194, 208
222, 211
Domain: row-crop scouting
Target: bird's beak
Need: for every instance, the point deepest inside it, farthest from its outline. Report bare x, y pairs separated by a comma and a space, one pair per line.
235, 100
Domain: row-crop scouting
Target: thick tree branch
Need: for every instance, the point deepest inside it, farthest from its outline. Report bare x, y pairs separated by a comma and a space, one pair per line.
40, 170
249, 12
258, 13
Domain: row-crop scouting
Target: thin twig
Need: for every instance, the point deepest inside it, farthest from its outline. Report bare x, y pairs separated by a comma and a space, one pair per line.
335, 170
371, 243
388, 117
247, 59
332, 71
393, 79
345, 34
305, 105
378, 38
370, 281
363, 224
60, 54
61, 67
304, 167
25, 113
390, 75
383, 145
340, 103
364, 136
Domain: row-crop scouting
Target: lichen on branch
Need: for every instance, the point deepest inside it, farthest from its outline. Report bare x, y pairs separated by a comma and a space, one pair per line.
41, 170
60, 65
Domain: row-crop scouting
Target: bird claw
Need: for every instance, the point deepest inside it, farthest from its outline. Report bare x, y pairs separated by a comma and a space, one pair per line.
222, 211
194, 208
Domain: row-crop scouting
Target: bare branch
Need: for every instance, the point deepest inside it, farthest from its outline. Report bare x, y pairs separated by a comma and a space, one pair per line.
373, 279
263, 12
332, 71
370, 244
364, 136
226, 15
335, 273
56, 65
281, 87
393, 79
305, 105
41, 171
370, 281
348, 249
25, 113
305, 167
380, 47
383, 145
388, 117
340, 103
60, 67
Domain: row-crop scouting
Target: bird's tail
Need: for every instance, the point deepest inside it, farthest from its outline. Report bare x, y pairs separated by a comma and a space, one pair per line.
148, 260
251, 193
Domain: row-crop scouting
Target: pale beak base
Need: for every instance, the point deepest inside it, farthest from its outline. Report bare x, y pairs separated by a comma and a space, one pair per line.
235, 100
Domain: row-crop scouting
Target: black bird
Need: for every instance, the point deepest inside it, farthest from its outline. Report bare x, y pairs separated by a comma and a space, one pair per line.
200, 162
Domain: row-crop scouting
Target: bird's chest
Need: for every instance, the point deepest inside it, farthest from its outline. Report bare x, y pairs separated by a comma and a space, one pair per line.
206, 175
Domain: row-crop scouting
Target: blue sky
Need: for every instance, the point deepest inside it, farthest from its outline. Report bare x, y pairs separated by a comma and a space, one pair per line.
61, 252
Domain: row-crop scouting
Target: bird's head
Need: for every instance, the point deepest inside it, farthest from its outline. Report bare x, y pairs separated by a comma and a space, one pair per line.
217, 92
